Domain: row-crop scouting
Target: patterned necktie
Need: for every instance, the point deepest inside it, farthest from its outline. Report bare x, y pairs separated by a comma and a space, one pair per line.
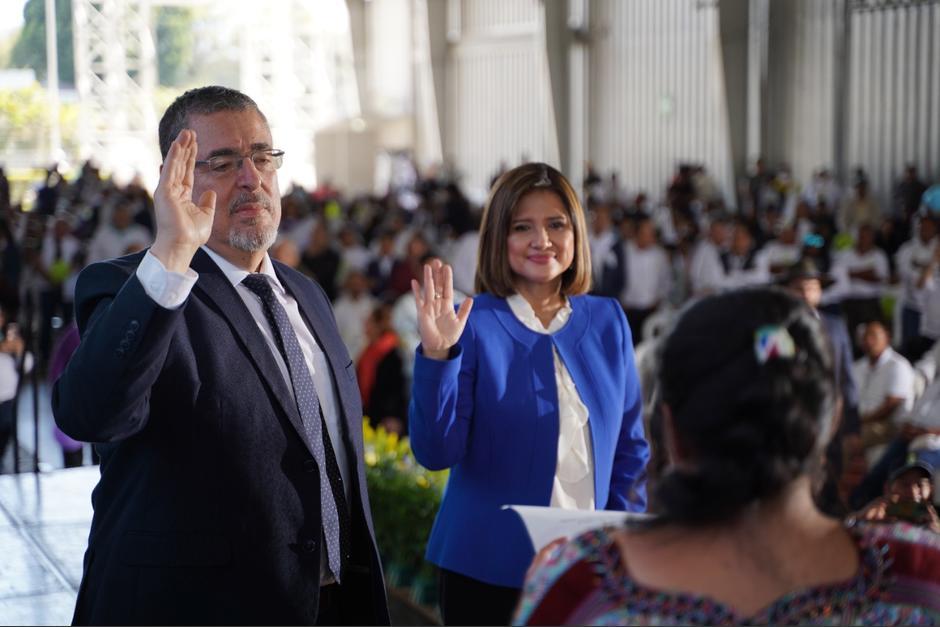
334, 511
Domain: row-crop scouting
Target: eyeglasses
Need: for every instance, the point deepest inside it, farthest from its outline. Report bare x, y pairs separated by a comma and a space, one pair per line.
265, 161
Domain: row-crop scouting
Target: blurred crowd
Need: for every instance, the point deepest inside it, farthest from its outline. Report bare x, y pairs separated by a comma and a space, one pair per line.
877, 266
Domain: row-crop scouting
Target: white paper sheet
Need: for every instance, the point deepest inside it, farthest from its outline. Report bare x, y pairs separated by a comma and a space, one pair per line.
546, 524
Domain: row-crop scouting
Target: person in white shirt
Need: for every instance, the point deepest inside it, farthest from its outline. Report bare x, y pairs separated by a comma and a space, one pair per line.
910, 261
919, 433
351, 309
866, 271
823, 189
886, 386
779, 254
462, 257
706, 272
859, 208
118, 237
648, 276
12, 348
928, 290
353, 255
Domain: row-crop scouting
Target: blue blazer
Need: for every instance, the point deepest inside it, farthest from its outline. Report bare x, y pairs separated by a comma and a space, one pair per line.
490, 413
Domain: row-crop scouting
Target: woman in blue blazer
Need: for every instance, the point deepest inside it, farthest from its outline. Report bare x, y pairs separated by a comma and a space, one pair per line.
533, 398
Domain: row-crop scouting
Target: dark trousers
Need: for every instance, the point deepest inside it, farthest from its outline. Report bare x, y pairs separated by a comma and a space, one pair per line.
916, 347
636, 318
6, 425
910, 324
469, 601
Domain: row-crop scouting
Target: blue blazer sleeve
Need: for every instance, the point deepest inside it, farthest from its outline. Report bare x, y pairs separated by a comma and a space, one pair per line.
628, 479
104, 393
441, 409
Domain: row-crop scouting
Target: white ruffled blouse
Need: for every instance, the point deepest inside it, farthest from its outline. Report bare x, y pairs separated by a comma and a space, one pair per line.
573, 487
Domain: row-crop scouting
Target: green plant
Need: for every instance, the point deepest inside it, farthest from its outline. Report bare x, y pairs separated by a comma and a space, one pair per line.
405, 498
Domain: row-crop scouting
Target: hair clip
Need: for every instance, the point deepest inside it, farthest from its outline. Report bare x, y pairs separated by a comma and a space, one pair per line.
773, 342
543, 181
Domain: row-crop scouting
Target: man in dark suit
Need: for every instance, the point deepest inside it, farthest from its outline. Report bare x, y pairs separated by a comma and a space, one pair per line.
223, 404
805, 279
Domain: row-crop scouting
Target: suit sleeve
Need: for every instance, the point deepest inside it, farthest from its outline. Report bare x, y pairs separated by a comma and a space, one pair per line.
628, 479
441, 409
104, 393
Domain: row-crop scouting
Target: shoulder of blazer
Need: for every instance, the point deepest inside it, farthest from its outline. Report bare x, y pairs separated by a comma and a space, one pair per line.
103, 279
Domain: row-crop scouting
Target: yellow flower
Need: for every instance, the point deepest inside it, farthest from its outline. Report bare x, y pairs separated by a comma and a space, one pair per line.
422, 481
371, 458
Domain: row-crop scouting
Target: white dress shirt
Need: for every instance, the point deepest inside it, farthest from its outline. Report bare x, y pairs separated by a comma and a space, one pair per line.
648, 276
911, 259
108, 242
170, 290
706, 273
351, 315
853, 261
573, 485
890, 375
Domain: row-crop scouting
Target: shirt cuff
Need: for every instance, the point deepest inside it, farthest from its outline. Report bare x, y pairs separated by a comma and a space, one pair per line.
168, 289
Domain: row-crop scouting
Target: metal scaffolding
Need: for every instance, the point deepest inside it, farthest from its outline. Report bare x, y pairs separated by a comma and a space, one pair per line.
115, 75
296, 62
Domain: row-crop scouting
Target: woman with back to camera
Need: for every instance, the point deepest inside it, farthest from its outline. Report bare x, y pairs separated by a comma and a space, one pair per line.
748, 402
532, 399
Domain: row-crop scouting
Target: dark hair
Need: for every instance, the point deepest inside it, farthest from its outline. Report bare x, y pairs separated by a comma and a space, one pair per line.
747, 428
200, 101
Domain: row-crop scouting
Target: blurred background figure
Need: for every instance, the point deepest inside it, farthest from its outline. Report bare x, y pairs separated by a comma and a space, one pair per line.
380, 374
908, 498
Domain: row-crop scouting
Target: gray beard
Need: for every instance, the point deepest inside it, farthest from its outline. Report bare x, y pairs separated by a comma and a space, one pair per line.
253, 239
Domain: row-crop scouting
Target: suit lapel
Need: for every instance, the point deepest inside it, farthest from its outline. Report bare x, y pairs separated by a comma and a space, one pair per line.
216, 287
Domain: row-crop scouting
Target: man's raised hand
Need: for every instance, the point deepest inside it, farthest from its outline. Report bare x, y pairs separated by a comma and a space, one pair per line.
182, 225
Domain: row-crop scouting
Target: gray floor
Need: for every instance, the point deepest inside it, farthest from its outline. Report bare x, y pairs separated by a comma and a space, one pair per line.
44, 521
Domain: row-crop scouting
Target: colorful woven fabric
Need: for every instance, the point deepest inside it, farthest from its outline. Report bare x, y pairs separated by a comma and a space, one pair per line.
898, 583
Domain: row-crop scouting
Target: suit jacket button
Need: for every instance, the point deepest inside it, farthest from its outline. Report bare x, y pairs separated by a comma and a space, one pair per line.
309, 546
310, 465
134, 325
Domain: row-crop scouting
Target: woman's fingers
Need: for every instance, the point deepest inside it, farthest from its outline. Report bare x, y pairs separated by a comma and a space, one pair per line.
429, 289
416, 290
464, 312
447, 285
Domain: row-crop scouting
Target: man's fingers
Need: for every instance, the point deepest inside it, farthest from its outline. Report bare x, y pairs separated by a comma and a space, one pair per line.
166, 172
207, 201
189, 164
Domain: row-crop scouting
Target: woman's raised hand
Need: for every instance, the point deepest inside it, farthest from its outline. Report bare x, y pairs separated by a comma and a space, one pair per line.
439, 325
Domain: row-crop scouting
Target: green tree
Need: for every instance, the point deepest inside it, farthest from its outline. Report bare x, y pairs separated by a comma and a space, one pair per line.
174, 45
29, 51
